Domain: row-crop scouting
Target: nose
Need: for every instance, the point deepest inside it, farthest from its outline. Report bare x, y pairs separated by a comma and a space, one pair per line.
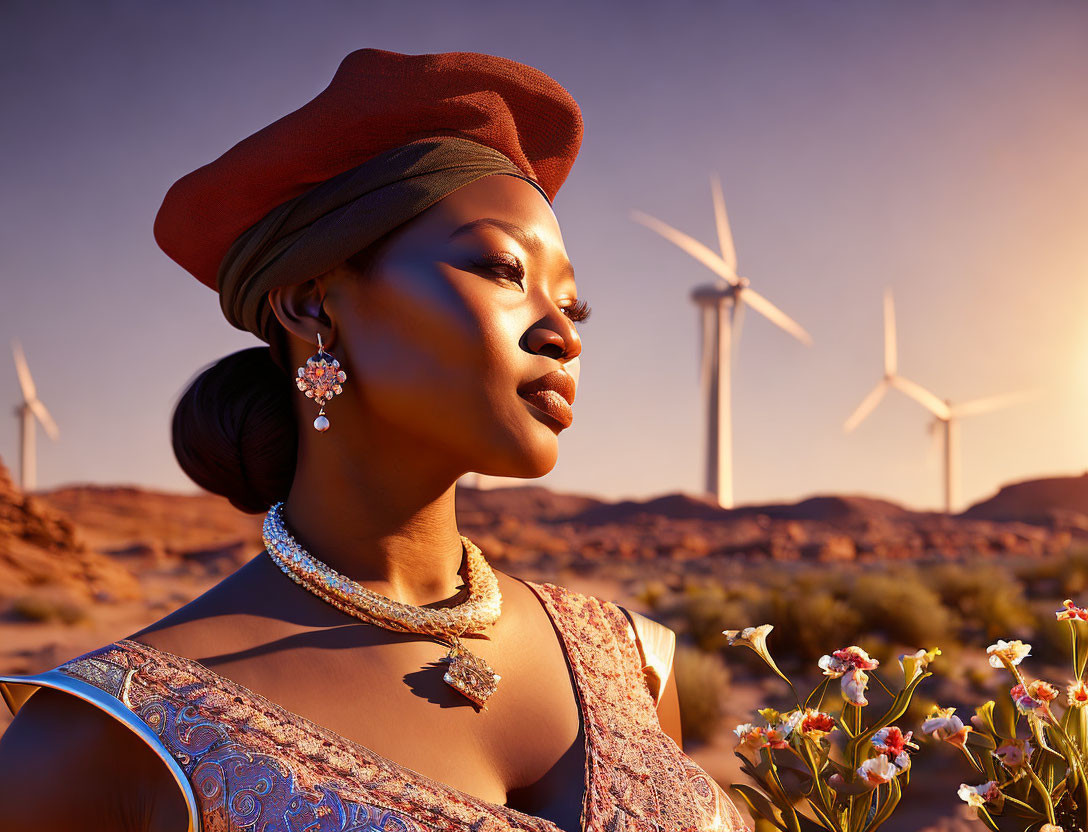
545, 340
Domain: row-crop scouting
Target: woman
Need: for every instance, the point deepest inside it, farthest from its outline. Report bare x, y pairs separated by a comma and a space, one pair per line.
393, 241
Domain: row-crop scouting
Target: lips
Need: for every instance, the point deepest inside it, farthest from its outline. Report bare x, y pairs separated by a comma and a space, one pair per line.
552, 393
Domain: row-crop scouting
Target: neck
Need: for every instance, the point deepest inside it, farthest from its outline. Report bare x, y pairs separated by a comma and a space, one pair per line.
382, 516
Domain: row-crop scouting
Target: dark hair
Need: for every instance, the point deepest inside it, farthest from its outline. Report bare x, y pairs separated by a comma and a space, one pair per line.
234, 429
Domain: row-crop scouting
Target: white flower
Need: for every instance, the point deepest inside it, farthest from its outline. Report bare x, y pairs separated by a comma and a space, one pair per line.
1013, 652
878, 770
977, 795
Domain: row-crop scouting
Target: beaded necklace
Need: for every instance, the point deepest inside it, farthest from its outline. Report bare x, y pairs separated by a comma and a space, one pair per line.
467, 673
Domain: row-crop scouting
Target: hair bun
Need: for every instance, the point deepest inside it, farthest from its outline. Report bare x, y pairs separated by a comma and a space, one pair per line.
234, 430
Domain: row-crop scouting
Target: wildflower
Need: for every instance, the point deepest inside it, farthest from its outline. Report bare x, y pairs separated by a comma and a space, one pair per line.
1035, 697
850, 664
1071, 610
750, 735
944, 725
754, 637
893, 742
1014, 753
1043, 691
1077, 694
778, 727
919, 661
1012, 652
770, 715
776, 737
878, 770
816, 724
847, 659
792, 719
977, 795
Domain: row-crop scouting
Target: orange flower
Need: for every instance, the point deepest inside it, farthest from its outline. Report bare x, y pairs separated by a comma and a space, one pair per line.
1077, 694
944, 725
816, 724
1071, 610
1043, 691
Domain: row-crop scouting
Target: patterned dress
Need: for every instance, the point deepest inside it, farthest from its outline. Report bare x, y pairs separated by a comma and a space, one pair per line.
245, 763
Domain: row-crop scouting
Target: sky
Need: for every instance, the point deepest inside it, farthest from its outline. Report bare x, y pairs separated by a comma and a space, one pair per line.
936, 148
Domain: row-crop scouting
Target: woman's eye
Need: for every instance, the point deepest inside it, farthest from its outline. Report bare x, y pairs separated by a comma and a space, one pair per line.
510, 267
506, 265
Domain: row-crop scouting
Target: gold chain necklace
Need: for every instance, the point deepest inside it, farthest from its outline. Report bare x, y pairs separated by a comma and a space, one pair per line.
467, 673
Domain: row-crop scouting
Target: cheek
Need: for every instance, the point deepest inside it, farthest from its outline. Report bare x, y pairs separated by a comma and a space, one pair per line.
431, 352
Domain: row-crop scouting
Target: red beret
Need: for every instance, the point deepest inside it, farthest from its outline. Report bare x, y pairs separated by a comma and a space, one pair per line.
376, 101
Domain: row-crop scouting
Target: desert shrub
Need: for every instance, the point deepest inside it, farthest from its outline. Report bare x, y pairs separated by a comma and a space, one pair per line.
1074, 575
42, 607
701, 680
989, 600
1040, 576
1049, 637
707, 617
809, 624
902, 607
652, 593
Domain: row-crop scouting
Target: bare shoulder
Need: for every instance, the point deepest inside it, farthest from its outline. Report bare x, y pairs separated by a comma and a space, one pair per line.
65, 764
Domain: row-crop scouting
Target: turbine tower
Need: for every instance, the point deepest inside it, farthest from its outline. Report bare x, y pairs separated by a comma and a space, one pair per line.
719, 336
30, 408
946, 414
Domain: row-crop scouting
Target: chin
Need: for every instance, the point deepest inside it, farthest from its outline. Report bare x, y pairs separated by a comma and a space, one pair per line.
532, 455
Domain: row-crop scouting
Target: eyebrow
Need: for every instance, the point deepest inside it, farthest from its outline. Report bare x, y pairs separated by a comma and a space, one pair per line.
530, 242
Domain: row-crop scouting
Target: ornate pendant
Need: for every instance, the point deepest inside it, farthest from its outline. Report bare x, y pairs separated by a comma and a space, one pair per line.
469, 674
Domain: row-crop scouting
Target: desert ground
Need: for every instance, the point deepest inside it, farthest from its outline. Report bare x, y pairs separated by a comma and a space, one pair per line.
84, 565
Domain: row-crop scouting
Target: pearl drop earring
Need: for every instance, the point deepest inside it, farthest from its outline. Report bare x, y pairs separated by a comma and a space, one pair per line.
320, 380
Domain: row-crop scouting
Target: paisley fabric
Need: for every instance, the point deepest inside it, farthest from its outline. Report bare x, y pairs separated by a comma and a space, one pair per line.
253, 765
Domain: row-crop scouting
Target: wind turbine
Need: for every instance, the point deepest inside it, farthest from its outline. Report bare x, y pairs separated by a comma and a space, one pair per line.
30, 407
946, 414
719, 336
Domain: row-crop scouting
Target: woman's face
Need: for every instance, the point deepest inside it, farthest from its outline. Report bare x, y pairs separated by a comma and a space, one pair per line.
467, 303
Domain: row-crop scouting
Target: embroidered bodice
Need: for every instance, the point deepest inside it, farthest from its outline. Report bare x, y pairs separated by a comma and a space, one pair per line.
245, 763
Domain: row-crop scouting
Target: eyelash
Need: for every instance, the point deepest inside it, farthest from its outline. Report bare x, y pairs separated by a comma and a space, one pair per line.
577, 311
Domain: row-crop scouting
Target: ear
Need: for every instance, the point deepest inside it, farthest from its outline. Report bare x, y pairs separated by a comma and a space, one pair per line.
300, 310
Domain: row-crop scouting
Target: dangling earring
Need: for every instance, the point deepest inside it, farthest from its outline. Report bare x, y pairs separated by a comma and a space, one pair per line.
320, 380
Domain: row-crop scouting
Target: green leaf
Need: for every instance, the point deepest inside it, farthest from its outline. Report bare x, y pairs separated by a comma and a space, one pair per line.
1004, 718
789, 814
759, 804
892, 800
985, 713
859, 812
979, 740
819, 689
1080, 647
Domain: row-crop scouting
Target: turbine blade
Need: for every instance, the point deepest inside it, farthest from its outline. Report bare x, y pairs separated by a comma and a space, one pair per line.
721, 221
929, 401
776, 315
23, 371
866, 406
692, 246
38, 409
993, 402
891, 358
